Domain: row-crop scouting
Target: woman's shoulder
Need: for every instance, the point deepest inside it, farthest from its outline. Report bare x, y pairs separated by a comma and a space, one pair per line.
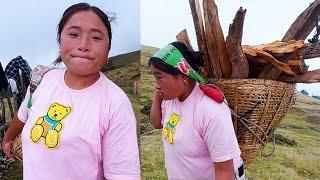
209, 106
114, 92
49, 75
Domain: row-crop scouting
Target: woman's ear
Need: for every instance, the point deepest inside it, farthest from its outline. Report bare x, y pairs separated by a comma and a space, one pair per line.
182, 78
185, 80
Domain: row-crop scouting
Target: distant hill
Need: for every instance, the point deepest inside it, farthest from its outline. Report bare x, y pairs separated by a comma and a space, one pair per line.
148, 51
123, 69
122, 60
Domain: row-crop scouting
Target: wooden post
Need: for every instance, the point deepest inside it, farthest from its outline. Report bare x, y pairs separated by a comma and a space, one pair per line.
304, 24
215, 40
311, 51
308, 77
240, 65
183, 37
201, 37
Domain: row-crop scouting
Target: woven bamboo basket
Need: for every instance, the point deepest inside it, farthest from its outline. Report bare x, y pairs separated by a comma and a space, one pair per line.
16, 148
261, 102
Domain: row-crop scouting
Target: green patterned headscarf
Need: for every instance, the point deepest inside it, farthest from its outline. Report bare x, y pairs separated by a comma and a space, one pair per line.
173, 57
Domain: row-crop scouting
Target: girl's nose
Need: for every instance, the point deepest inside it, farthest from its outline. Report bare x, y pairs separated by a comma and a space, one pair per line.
84, 44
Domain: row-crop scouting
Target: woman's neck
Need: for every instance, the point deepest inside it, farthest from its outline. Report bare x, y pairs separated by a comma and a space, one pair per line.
188, 89
77, 82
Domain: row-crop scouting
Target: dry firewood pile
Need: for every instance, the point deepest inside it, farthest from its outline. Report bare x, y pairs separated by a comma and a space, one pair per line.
227, 58
250, 75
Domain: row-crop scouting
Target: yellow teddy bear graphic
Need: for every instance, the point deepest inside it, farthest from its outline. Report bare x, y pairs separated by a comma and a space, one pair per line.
170, 128
49, 126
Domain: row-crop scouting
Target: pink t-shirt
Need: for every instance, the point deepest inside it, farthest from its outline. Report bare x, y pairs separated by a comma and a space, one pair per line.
196, 133
78, 134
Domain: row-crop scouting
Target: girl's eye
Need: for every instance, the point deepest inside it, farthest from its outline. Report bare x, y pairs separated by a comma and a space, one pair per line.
73, 34
97, 38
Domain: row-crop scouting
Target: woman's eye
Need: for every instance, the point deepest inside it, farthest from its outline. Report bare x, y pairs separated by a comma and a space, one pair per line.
96, 38
73, 34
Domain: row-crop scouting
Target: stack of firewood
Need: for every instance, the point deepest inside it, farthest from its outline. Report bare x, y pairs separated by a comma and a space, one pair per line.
228, 58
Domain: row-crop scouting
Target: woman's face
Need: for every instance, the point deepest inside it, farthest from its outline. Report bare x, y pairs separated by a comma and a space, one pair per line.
168, 86
84, 43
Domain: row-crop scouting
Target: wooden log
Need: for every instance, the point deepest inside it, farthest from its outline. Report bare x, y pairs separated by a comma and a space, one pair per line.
308, 77
299, 30
215, 40
269, 70
215, 63
267, 58
304, 24
184, 38
240, 65
198, 25
298, 66
255, 68
294, 48
310, 51
278, 48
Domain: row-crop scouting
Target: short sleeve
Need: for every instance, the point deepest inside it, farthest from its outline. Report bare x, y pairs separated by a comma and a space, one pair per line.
119, 144
23, 109
220, 137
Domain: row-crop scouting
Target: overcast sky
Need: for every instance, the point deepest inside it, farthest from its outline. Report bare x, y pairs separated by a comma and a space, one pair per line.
28, 28
265, 22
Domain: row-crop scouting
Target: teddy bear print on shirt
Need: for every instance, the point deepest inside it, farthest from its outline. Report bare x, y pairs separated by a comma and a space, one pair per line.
50, 125
170, 128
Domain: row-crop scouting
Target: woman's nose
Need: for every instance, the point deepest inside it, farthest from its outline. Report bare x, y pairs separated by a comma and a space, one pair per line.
157, 86
84, 44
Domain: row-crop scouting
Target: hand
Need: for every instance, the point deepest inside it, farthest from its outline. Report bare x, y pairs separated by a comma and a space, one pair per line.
157, 96
155, 112
6, 147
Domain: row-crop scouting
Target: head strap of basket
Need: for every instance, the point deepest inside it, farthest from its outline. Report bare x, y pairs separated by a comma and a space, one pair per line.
173, 57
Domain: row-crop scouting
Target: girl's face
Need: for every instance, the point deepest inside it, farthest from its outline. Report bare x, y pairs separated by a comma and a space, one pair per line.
168, 86
84, 44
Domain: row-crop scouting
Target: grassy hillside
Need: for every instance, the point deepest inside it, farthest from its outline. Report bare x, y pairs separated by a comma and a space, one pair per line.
146, 88
121, 60
301, 124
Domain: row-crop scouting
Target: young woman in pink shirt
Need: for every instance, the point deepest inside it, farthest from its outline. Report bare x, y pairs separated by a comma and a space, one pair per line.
80, 125
198, 136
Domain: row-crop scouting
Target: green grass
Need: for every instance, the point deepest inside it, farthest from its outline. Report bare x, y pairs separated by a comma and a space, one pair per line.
124, 76
14, 173
15, 169
302, 124
121, 60
152, 157
299, 162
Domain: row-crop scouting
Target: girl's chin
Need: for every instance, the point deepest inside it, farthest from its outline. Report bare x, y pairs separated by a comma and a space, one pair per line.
82, 71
